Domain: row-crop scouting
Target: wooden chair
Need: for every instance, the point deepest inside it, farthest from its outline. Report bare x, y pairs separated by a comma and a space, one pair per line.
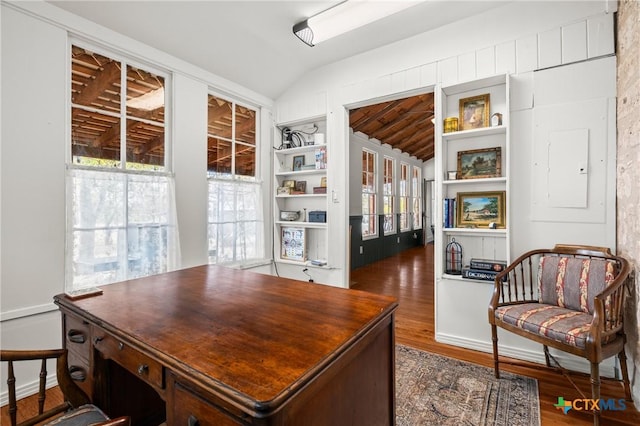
569, 298
77, 407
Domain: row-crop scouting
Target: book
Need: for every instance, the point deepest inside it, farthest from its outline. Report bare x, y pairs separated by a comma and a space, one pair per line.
476, 274
487, 264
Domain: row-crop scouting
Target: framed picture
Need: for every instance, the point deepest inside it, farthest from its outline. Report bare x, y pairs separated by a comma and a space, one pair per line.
298, 162
480, 163
301, 186
474, 112
293, 244
481, 209
284, 190
289, 184
323, 182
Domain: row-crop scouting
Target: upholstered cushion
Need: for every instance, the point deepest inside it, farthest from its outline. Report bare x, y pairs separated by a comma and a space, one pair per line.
572, 283
559, 324
85, 415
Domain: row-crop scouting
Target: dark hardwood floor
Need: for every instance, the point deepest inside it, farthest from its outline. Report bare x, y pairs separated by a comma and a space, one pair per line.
409, 277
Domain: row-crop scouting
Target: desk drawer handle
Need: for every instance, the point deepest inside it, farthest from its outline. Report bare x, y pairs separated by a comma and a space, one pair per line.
97, 340
193, 421
77, 373
143, 369
76, 336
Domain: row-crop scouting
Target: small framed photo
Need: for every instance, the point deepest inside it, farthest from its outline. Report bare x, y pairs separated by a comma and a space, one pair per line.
289, 184
323, 182
474, 112
301, 186
298, 162
480, 163
481, 209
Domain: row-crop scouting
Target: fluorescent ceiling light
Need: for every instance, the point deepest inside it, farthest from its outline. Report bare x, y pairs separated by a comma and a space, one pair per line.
347, 16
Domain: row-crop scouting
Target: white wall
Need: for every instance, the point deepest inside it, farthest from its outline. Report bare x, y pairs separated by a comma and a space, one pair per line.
518, 38
34, 146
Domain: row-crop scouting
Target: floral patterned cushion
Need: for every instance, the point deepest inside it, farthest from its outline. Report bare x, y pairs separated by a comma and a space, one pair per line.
572, 283
560, 324
85, 415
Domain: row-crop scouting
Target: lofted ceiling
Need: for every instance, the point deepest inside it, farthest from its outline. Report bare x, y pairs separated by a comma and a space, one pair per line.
404, 124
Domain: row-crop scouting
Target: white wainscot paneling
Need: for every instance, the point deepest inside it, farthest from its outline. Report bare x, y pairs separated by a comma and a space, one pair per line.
506, 58
600, 33
550, 48
486, 62
429, 74
527, 54
574, 42
448, 71
467, 66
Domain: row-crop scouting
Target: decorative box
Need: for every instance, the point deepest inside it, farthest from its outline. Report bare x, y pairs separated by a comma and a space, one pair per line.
318, 216
319, 189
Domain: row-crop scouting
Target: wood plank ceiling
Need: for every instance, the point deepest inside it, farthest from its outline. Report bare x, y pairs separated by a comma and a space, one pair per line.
404, 124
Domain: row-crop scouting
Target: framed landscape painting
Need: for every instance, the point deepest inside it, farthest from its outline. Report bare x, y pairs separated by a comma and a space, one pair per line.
480, 163
481, 209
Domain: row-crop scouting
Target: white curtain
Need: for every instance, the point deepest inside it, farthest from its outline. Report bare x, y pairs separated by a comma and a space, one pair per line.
235, 221
120, 225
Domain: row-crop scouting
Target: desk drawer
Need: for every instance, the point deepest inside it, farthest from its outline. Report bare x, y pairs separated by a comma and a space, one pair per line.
135, 362
189, 409
77, 336
81, 372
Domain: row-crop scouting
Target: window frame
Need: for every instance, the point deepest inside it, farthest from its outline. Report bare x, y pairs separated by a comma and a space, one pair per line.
370, 194
388, 195
404, 194
416, 192
236, 180
73, 281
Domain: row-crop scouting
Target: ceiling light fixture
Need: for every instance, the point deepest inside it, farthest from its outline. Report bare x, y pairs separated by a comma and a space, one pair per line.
346, 16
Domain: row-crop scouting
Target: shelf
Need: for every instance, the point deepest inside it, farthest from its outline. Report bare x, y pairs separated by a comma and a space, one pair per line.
298, 150
294, 224
472, 181
300, 195
492, 232
306, 263
474, 133
302, 172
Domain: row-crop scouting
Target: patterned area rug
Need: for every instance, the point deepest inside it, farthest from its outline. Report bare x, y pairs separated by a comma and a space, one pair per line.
436, 390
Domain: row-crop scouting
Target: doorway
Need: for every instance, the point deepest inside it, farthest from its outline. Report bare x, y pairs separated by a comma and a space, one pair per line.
391, 150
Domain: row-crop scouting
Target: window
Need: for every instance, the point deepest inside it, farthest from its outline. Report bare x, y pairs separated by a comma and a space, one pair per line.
388, 191
416, 191
404, 197
369, 211
235, 224
121, 212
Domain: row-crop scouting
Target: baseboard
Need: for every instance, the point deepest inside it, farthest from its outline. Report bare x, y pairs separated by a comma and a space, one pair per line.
28, 389
608, 368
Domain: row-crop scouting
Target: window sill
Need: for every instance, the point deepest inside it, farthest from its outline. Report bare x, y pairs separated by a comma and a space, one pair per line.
248, 264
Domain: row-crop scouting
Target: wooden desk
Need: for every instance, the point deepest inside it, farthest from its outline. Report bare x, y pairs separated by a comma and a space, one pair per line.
221, 346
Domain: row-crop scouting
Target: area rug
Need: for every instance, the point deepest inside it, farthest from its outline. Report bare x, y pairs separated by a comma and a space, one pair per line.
436, 390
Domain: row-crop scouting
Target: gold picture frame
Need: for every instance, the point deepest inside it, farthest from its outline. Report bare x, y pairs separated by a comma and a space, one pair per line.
481, 209
480, 163
474, 112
